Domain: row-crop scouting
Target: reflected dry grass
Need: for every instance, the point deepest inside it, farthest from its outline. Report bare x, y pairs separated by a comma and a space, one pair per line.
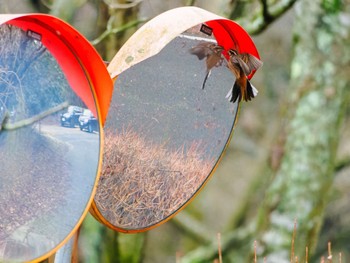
143, 183
33, 179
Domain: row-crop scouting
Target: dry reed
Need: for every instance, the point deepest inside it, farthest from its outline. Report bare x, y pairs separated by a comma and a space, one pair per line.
143, 183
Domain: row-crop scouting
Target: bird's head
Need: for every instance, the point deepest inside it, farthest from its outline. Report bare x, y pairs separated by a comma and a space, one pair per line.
232, 52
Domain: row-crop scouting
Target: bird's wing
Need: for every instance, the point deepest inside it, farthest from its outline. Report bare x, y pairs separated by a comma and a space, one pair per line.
251, 61
236, 60
234, 68
201, 50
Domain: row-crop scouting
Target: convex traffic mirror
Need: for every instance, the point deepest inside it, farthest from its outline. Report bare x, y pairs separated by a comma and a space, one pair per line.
50, 137
165, 133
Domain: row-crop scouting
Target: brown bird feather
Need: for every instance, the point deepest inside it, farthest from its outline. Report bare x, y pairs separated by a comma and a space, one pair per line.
242, 65
212, 53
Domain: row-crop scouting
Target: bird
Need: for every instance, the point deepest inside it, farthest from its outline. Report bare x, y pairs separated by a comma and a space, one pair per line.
212, 53
242, 65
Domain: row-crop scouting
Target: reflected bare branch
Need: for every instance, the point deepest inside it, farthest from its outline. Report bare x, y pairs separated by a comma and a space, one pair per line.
5, 125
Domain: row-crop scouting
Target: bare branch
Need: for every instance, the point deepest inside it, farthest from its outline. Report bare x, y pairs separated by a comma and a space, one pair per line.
191, 2
269, 15
237, 239
47, 4
192, 227
5, 125
117, 30
265, 11
342, 164
122, 6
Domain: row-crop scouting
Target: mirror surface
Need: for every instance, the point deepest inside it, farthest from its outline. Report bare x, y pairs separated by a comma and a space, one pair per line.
164, 134
48, 165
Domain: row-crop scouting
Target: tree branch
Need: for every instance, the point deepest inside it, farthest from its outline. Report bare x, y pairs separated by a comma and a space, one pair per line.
122, 6
117, 30
342, 164
5, 125
237, 239
191, 2
192, 227
265, 11
269, 15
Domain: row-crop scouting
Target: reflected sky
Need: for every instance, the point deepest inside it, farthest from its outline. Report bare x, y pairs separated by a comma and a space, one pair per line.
164, 134
47, 171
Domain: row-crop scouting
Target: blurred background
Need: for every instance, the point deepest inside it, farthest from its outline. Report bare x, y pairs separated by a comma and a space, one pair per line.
289, 158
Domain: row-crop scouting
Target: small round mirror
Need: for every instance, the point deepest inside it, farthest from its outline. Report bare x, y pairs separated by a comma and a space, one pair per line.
49, 140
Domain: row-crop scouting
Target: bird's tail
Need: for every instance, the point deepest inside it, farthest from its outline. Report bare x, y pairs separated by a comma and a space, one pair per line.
250, 92
205, 78
234, 93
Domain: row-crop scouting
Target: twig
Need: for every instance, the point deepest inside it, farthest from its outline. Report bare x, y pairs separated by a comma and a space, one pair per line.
192, 227
269, 15
293, 240
342, 163
255, 259
231, 239
329, 258
122, 6
46, 4
265, 11
306, 255
178, 257
219, 248
5, 125
117, 30
191, 2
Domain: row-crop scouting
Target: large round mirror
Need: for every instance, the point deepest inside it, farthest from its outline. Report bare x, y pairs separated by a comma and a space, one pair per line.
49, 140
170, 118
164, 134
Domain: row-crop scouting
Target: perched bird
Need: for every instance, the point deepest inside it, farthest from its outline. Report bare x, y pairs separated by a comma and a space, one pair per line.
241, 65
212, 53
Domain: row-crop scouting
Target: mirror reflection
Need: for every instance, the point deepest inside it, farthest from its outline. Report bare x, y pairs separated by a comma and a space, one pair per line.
164, 133
49, 149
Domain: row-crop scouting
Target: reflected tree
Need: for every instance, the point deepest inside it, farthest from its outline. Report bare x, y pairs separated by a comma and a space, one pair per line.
17, 55
22, 59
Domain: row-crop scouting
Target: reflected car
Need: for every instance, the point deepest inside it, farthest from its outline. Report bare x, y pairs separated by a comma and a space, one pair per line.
88, 122
71, 117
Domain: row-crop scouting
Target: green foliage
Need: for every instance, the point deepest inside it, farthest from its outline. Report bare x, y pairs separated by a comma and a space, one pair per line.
332, 6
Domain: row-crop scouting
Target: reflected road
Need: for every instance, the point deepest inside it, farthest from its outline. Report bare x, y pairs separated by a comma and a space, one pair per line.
83, 156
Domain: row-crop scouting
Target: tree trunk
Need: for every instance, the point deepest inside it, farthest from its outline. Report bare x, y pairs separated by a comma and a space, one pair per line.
299, 190
65, 9
120, 14
319, 98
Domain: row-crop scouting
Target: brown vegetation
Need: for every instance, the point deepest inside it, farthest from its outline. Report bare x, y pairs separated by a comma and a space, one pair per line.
143, 183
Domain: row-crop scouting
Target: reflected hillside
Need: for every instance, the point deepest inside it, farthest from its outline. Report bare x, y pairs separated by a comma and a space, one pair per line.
142, 183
